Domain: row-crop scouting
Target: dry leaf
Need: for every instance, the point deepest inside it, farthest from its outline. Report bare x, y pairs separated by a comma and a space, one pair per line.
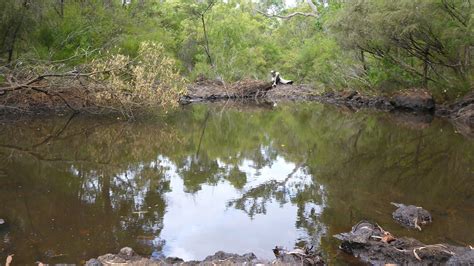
387, 237
9, 260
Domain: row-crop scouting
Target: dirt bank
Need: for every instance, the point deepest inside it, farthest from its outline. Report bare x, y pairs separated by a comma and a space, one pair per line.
413, 101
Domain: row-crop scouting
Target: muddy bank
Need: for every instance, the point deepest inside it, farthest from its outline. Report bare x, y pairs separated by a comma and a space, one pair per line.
413, 101
127, 256
205, 90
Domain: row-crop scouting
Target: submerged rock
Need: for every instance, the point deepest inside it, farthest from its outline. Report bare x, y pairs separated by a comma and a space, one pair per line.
372, 244
411, 216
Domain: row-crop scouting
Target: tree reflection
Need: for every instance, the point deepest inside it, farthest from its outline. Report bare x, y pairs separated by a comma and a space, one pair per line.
74, 188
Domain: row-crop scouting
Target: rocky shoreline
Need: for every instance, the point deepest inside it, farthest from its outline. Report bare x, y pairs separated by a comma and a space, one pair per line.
372, 244
367, 241
126, 256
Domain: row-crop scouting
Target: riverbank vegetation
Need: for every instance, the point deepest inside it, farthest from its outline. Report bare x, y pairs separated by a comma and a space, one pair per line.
123, 54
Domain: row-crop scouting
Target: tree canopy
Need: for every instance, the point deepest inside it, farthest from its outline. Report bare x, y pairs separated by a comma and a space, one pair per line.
377, 45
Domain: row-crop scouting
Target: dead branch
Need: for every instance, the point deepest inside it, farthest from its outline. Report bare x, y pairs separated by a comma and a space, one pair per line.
313, 7
29, 84
287, 16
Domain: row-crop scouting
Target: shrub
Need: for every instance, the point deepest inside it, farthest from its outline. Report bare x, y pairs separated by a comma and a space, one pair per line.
143, 83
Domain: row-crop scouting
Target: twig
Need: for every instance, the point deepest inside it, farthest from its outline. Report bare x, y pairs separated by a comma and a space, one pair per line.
416, 255
416, 224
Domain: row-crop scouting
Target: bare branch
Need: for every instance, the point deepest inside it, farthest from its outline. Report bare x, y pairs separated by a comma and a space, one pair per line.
29, 84
287, 16
313, 7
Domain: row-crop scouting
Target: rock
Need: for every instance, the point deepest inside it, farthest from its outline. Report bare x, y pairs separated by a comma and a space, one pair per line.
2, 221
127, 253
173, 260
297, 257
380, 103
463, 258
348, 95
360, 233
467, 100
461, 114
111, 258
415, 100
463, 120
231, 257
411, 216
367, 242
93, 262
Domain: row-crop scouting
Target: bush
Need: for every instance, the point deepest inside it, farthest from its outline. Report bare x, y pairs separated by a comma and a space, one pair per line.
140, 84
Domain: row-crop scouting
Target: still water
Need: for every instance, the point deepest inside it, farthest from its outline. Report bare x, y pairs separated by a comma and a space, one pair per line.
238, 178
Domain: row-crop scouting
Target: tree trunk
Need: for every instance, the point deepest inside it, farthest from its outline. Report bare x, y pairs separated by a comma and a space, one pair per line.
61, 8
12, 43
425, 67
206, 41
362, 59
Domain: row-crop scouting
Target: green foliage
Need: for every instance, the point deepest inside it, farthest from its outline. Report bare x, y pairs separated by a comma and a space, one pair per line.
418, 42
378, 45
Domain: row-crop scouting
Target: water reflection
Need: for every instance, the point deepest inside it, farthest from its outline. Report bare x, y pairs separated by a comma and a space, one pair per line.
214, 177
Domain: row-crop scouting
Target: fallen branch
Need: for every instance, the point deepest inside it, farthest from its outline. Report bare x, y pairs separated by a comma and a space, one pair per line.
29, 83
